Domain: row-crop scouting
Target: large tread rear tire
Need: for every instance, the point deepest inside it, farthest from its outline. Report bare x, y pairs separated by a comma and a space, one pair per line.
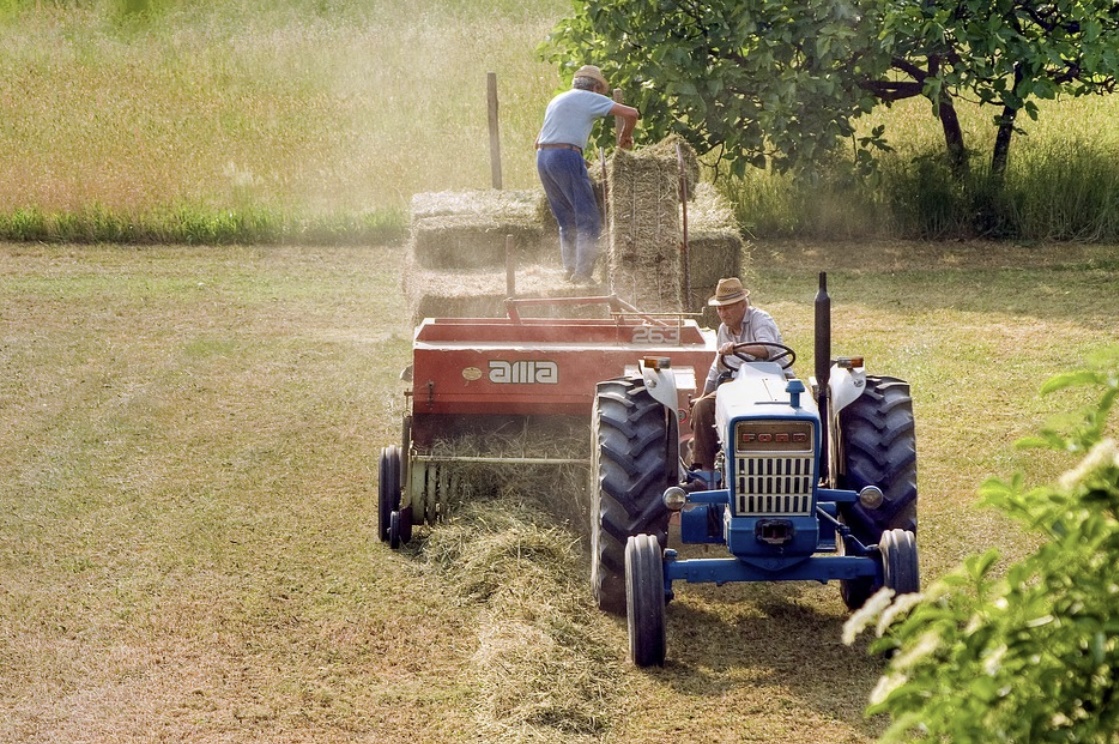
645, 601
633, 461
879, 448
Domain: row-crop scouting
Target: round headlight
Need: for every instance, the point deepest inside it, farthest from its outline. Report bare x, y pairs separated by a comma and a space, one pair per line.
871, 497
675, 498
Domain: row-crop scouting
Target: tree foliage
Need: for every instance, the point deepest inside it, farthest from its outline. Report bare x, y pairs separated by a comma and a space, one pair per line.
783, 82
1031, 656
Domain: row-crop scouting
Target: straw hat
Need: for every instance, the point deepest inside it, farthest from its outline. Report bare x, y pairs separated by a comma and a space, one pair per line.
728, 292
592, 72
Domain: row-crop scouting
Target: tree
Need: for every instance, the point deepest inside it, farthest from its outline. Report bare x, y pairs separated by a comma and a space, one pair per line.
1030, 656
783, 82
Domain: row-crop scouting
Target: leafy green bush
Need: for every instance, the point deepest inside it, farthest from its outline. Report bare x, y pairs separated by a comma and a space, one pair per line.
1029, 655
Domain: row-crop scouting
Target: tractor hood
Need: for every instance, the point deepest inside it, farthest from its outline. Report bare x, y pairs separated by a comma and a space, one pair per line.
759, 390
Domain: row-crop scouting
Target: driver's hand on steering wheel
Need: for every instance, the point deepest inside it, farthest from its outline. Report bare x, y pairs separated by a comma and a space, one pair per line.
727, 349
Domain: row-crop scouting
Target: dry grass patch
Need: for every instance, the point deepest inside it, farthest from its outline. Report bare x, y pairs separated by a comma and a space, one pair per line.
187, 490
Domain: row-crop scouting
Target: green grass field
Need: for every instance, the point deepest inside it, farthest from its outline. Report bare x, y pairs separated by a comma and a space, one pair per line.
300, 121
187, 490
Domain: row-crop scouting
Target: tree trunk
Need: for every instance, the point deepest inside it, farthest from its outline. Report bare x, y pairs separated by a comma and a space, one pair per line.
953, 137
1001, 155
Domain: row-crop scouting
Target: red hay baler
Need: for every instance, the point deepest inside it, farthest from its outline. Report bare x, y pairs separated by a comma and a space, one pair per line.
470, 374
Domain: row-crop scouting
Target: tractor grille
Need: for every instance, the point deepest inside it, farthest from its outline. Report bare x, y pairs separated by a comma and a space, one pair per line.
765, 484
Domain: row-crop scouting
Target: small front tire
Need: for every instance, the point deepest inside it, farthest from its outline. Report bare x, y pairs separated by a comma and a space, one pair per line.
645, 601
900, 567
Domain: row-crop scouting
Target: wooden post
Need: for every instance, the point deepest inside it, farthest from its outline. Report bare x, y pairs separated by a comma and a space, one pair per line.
619, 122
495, 140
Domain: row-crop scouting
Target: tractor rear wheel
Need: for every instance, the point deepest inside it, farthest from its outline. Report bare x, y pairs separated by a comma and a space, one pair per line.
878, 448
633, 461
388, 489
900, 569
645, 601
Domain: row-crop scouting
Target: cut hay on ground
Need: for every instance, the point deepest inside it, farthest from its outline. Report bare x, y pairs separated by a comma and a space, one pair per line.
543, 668
558, 490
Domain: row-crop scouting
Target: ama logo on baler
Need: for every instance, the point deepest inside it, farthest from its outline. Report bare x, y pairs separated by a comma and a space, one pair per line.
525, 371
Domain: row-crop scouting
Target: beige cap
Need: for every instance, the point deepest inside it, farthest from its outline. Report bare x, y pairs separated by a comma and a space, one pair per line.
592, 72
728, 292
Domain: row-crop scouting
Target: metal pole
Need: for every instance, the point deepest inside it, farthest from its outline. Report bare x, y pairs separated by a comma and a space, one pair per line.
495, 140
685, 258
510, 268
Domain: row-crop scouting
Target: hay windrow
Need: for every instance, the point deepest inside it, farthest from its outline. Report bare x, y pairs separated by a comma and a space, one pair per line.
556, 490
544, 666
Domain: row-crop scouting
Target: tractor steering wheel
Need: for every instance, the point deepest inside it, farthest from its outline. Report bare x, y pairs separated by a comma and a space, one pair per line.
786, 354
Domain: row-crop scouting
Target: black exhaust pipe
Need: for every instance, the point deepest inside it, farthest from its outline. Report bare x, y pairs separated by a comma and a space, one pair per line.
823, 368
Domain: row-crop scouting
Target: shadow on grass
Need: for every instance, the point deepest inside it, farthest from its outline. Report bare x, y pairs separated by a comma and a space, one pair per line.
784, 640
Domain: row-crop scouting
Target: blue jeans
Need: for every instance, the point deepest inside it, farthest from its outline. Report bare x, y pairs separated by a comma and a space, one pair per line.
571, 199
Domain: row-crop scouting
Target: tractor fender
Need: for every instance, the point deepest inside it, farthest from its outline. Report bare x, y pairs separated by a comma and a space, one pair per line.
661, 384
846, 384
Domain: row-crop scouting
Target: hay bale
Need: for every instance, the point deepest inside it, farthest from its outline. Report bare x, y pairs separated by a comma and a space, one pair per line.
644, 233
464, 230
715, 249
666, 149
517, 205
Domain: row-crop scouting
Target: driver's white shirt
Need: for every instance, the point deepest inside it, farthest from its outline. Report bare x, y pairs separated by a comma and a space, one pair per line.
758, 325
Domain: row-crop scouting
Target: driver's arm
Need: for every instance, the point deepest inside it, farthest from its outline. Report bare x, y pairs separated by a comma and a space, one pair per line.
758, 352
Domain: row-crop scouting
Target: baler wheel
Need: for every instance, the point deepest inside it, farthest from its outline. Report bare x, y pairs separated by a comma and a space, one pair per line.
900, 568
394, 530
633, 461
645, 601
388, 489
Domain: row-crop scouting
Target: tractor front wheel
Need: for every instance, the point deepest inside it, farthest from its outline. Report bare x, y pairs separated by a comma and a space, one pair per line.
900, 569
645, 601
633, 461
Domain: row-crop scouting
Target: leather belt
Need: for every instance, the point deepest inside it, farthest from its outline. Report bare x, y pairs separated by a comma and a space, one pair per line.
560, 146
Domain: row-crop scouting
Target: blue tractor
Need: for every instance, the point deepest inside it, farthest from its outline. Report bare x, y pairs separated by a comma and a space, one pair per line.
814, 482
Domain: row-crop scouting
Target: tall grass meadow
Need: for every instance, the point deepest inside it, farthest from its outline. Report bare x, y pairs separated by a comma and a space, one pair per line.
307, 120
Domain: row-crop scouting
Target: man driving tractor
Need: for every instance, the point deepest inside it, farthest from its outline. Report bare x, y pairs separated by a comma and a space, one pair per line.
745, 334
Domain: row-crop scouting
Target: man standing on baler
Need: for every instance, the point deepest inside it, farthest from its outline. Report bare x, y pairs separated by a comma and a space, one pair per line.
563, 171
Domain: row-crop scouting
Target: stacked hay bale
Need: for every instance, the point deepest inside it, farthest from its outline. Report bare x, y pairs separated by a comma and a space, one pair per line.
468, 230
646, 237
715, 249
457, 254
643, 232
